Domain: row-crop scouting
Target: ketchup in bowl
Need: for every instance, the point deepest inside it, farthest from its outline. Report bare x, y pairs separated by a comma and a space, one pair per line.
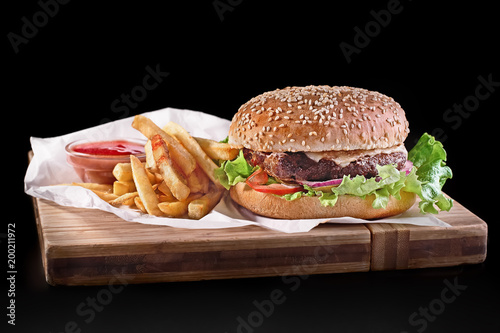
94, 161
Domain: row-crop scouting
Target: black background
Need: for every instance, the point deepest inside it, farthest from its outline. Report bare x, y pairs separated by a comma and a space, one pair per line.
427, 57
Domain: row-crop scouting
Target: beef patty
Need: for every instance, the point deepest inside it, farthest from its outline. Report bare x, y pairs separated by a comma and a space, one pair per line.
291, 167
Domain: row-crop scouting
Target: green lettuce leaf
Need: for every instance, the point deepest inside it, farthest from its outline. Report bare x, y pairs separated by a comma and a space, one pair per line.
429, 157
388, 182
232, 172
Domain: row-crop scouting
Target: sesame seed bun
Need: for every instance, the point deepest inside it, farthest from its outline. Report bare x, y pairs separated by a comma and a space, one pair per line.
310, 207
319, 118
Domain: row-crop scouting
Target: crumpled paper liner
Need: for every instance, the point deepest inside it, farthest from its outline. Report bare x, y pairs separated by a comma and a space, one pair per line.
49, 167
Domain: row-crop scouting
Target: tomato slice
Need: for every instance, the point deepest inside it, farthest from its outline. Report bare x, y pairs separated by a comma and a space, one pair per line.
258, 177
258, 180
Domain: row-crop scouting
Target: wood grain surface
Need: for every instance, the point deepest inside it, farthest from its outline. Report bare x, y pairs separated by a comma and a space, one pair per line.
92, 247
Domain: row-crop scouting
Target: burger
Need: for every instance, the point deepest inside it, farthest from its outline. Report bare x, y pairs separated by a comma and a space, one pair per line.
328, 151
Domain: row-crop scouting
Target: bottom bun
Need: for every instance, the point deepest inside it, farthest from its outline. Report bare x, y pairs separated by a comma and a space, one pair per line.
310, 207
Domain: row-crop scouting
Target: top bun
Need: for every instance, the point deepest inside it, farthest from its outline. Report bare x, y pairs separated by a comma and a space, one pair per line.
319, 118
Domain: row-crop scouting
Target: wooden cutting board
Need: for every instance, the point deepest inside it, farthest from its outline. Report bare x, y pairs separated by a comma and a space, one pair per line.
92, 247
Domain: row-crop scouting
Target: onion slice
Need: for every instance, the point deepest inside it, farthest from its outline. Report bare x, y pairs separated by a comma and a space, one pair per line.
407, 168
321, 183
332, 182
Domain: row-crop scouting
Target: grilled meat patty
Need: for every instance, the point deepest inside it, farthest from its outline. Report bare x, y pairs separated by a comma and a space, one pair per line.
291, 167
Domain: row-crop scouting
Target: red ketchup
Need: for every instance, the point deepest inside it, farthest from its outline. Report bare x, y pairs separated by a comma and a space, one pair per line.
94, 161
115, 148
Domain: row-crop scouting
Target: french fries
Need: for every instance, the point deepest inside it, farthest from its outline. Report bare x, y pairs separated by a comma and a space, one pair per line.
218, 150
123, 172
202, 206
121, 187
183, 158
144, 189
171, 176
194, 148
176, 180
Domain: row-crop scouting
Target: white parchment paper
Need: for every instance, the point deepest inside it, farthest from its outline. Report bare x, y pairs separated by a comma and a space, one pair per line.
49, 167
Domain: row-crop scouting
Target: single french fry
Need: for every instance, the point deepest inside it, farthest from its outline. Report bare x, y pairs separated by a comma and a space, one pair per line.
151, 177
198, 181
122, 187
122, 172
150, 160
138, 202
164, 198
125, 199
202, 206
105, 195
165, 190
144, 188
194, 149
159, 177
174, 209
174, 180
180, 155
104, 188
218, 150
